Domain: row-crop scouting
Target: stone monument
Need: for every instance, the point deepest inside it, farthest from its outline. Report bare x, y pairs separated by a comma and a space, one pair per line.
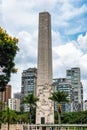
45, 107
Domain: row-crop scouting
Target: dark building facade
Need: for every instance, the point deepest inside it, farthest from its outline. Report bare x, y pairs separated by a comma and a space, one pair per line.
29, 81
61, 84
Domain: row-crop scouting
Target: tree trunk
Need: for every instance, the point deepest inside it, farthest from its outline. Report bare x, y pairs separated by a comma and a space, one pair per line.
8, 117
30, 118
8, 124
59, 115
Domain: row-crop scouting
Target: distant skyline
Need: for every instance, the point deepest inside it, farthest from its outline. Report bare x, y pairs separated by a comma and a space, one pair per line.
69, 35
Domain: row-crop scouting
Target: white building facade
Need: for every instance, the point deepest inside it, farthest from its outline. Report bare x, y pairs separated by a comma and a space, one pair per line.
85, 105
14, 104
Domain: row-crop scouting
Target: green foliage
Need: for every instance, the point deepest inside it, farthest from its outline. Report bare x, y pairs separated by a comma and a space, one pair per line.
55, 117
8, 50
75, 117
23, 117
59, 96
66, 118
31, 100
9, 116
72, 117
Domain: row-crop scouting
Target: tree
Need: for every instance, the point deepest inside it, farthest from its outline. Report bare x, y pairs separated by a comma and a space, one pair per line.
9, 116
30, 100
1, 104
79, 117
22, 117
8, 50
59, 96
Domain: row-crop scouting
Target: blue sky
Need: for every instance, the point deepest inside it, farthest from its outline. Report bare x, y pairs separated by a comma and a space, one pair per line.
69, 34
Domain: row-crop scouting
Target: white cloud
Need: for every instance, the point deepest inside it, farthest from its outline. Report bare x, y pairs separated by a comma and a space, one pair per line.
84, 83
69, 51
66, 56
82, 42
69, 17
45, 4
69, 9
83, 66
27, 48
56, 38
24, 12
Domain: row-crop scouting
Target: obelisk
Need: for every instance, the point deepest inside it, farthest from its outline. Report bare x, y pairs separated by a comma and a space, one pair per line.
45, 107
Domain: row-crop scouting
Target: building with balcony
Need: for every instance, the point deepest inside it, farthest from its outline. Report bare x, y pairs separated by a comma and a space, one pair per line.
73, 77
61, 84
29, 81
14, 104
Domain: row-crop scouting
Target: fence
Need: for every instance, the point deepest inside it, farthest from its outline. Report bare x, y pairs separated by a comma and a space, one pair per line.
57, 127
45, 127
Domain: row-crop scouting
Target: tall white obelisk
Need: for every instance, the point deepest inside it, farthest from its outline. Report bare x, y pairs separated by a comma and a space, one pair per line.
45, 107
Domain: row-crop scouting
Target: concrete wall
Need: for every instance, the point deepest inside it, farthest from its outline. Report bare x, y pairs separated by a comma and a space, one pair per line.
12, 127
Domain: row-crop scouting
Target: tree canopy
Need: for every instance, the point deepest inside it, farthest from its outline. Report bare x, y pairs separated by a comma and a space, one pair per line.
8, 50
59, 96
30, 100
9, 116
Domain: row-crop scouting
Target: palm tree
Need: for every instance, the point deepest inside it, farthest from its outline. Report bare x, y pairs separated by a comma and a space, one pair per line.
30, 100
59, 96
9, 116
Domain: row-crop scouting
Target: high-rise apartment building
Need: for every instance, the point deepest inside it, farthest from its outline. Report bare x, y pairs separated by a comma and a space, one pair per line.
61, 84
73, 77
29, 80
17, 95
14, 104
5, 95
